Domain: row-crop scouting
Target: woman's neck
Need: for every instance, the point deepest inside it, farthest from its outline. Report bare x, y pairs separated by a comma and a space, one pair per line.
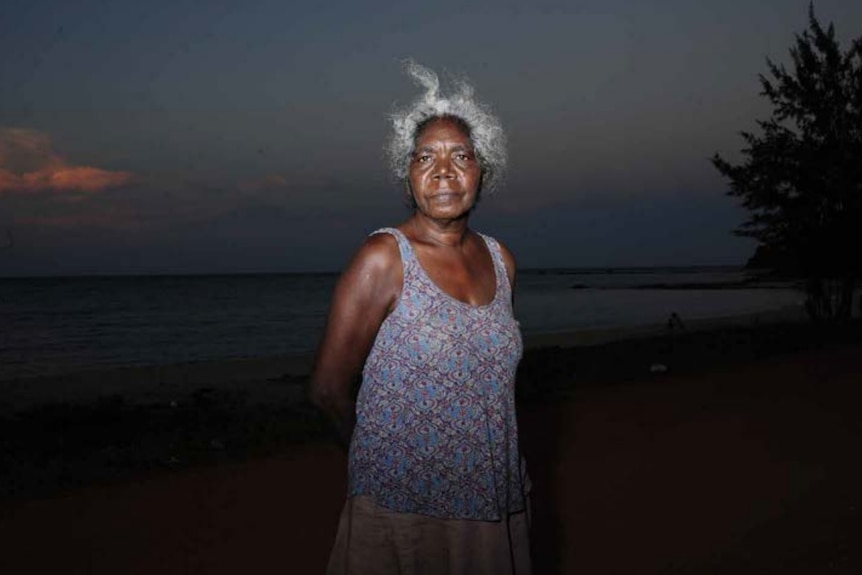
450, 233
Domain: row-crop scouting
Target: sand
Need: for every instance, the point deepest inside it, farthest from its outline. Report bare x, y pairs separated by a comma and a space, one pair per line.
264, 379
749, 466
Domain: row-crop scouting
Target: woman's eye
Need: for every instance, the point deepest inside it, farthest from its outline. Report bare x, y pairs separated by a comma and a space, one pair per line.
423, 158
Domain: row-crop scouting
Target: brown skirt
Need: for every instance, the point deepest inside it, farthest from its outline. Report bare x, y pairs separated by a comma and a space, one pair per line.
375, 540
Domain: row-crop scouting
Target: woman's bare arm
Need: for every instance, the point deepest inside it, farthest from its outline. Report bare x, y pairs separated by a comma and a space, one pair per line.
509, 261
365, 294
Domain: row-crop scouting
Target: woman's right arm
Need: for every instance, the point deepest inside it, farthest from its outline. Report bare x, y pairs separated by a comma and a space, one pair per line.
365, 294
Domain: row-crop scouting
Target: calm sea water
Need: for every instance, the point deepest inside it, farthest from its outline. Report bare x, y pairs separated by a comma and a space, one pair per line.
57, 325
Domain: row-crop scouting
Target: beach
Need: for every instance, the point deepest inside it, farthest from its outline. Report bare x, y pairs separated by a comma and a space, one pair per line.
737, 456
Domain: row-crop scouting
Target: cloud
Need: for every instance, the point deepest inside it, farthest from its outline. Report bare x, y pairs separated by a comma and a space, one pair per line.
29, 165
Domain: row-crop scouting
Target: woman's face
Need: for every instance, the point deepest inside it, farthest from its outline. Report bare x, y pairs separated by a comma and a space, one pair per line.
444, 171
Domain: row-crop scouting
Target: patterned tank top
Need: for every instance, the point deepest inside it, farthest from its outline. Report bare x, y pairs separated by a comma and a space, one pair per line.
435, 417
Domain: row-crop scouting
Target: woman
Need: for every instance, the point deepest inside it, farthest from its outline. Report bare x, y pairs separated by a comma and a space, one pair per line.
424, 313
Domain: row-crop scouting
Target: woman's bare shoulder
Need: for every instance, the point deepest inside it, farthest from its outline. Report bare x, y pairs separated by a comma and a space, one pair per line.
509, 260
375, 269
378, 252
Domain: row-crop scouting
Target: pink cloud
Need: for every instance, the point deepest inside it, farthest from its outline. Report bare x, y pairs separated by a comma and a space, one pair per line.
29, 164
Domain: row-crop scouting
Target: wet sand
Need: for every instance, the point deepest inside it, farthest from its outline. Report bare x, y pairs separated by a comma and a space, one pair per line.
747, 468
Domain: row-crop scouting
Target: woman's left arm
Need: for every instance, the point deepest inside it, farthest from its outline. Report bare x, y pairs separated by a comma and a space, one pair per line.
509, 260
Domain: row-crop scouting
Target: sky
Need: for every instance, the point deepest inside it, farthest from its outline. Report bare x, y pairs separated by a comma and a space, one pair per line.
243, 137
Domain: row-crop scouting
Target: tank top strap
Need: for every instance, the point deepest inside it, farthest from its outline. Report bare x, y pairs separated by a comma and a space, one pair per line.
499, 264
408, 258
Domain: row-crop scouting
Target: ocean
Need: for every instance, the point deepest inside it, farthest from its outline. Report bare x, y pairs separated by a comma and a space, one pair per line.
51, 326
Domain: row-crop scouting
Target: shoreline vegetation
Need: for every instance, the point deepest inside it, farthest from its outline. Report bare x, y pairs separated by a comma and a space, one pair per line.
61, 432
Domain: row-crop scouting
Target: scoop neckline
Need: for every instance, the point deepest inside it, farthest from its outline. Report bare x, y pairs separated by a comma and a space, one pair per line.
447, 295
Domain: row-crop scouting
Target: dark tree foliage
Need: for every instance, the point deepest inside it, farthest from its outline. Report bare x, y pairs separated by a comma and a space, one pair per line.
801, 178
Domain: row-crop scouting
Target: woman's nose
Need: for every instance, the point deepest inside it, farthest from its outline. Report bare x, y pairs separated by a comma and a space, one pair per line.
443, 169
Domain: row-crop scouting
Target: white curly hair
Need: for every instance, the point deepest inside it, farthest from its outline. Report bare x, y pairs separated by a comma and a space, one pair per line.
485, 130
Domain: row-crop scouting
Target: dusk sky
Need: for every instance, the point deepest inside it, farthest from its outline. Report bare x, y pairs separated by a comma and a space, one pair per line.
219, 137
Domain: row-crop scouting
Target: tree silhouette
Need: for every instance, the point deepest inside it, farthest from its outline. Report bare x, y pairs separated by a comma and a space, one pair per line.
801, 177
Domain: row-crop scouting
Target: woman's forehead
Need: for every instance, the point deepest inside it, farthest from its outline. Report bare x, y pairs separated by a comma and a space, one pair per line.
444, 128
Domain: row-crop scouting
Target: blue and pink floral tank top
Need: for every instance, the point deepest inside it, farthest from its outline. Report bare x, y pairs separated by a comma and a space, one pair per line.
435, 417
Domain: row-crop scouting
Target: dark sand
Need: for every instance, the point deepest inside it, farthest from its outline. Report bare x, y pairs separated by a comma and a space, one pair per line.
748, 468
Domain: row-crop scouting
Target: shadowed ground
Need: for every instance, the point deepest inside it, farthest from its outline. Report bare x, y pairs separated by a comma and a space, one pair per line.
752, 468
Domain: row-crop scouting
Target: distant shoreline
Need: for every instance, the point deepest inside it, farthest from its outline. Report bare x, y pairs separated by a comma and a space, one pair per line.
280, 378
66, 326
598, 336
